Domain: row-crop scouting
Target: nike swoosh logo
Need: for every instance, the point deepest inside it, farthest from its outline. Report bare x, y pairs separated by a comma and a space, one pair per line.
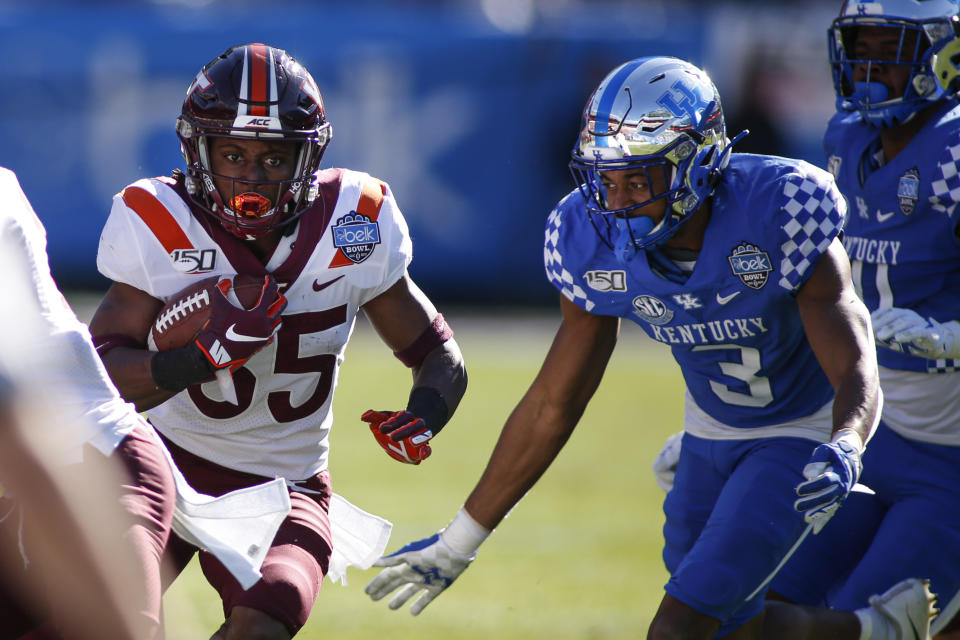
317, 286
883, 217
725, 299
239, 337
399, 448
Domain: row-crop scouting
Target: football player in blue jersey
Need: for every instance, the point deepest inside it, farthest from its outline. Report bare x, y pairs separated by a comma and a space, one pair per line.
735, 262
894, 148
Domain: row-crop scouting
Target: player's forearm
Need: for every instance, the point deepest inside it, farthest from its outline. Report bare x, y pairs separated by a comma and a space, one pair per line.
857, 403
130, 370
528, 444
443, 370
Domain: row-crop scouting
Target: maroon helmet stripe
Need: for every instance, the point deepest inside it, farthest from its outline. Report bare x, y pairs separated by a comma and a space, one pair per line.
259, 72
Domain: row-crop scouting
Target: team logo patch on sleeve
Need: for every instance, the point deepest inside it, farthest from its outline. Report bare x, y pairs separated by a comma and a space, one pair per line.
751, 265
356, 236
908, 191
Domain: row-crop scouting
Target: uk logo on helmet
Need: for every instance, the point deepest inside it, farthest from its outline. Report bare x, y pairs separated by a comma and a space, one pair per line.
682, 100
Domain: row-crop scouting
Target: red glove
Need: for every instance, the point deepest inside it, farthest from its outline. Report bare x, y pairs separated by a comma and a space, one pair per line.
402, 435
232, 334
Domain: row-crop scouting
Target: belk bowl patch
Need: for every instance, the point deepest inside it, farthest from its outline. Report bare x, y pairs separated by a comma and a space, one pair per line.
750, 264
908, 190
356, 235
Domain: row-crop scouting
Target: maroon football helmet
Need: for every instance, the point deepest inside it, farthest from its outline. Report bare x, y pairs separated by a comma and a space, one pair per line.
253, 91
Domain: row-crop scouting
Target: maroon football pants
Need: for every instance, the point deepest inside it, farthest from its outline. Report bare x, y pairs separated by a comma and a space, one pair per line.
298, 559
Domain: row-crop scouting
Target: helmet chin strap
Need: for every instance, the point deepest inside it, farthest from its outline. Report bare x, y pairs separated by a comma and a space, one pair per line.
629, 229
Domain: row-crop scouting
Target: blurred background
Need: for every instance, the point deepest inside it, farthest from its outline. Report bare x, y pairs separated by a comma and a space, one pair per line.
468, 108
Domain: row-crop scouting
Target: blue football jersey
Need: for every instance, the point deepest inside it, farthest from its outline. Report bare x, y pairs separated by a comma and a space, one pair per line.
734, 326
900, 233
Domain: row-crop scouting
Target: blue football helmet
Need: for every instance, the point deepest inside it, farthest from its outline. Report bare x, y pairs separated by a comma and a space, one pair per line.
922, 27
657, 114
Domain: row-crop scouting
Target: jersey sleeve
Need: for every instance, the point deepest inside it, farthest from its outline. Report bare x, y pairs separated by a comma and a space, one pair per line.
811, 215
395, 244
120, 256
946, 183
561, 257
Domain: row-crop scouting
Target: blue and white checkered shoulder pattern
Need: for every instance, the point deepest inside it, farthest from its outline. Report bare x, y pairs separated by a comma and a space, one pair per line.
558, 276
815, 213
946, 185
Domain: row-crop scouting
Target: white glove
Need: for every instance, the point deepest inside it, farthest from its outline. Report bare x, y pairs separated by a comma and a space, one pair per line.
430, 565
831, 474
908, 331
665, 464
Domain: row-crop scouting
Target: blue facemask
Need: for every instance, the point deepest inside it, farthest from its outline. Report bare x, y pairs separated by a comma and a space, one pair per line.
630, 229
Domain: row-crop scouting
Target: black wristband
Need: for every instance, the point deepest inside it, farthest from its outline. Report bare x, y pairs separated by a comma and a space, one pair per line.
177, 369
428, 403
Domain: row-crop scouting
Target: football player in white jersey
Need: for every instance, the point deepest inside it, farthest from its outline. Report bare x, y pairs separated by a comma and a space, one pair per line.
894, 148
86, 493
734, 260
328, 243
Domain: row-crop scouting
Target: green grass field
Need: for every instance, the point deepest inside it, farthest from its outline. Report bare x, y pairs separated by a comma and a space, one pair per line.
578, 558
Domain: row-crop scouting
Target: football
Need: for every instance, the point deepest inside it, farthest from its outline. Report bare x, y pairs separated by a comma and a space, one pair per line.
187, 312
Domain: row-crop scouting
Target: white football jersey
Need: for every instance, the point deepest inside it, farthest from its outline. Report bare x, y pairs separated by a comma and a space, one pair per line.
45, 351
350, 246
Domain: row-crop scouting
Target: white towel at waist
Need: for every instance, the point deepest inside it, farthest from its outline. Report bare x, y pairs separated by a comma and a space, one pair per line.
238, 527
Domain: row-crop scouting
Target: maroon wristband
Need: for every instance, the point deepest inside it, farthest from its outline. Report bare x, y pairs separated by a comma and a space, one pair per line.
432, 337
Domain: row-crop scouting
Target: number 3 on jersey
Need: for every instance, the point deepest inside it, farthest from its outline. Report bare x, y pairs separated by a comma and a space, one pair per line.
745, 371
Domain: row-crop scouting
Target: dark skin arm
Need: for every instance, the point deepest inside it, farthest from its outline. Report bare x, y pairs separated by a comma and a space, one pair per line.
542, 422
128, 311
837, 325
400, 315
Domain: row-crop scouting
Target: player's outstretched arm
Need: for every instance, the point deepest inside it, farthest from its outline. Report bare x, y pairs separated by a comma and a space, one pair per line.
409, 324
837, 325
542, 422
532, 437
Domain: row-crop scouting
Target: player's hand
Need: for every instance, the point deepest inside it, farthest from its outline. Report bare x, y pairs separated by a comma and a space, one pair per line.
232, 335
427, 565
830, 475
402, 435
665, 464
906, 330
